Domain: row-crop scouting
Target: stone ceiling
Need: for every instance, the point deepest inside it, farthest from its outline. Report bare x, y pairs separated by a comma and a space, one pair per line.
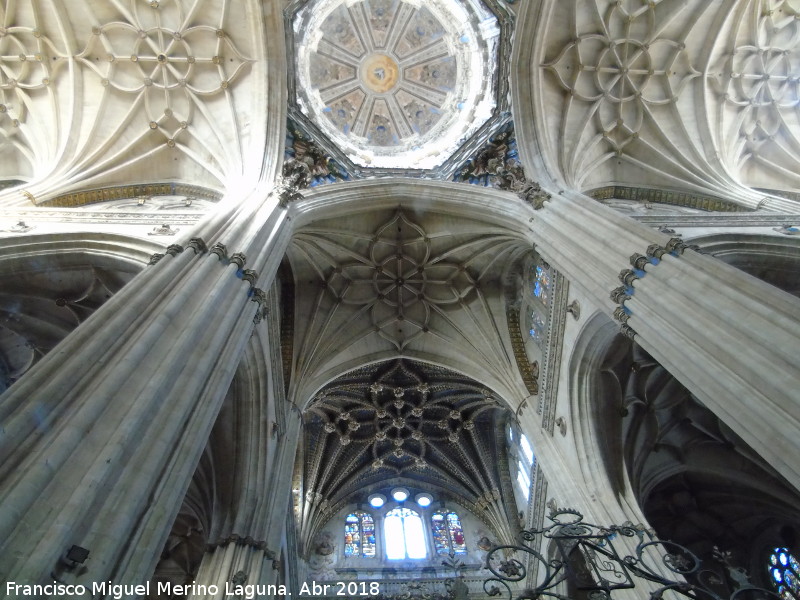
404, 421
378, 285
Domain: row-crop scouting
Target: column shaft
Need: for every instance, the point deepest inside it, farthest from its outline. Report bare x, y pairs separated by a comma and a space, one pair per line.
100, 439
731, 339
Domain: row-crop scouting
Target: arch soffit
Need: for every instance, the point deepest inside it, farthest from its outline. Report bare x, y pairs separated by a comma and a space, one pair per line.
599, 443
62, 248
499, 209
736, 244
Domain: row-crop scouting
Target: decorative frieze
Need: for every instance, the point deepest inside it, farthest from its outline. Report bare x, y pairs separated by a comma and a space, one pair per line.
520, 356
497, 165
661, 196
122, 192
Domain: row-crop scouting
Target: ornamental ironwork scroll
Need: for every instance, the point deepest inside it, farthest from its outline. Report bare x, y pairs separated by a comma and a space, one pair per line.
595, 561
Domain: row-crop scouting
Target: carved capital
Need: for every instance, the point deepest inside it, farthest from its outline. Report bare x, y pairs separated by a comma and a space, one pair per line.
155, 258
198, 245
621, 315
288, 195
260, 297
638, 261
239, 259
627, 276
219, 250
620, 295
627, 331
655, 251
174, 249
250, 276
675, 246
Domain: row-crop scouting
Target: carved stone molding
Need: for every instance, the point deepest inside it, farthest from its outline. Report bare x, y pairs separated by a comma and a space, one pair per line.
518, 347
241, 541
551, 366
574, 308
121, 192
662, 196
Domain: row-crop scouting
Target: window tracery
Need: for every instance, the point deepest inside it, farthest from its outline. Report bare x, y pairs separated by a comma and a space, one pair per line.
784, 571
404, 535
359, 535
448, 535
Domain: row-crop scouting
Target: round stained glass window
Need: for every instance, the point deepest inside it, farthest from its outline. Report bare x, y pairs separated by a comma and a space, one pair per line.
784, 571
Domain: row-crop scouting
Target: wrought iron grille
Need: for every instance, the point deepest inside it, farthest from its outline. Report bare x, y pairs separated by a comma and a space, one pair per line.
593, 562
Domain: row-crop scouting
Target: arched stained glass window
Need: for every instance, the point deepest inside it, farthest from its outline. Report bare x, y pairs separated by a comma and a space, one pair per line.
359, 535
524, 479
785, 573
448, 536
527, 450
536, 325
541, 283
402, 530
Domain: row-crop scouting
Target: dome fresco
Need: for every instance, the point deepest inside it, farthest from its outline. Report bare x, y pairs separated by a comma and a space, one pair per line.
395, 83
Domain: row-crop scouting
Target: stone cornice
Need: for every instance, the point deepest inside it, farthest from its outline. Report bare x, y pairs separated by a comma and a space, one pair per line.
121, 192
662, 196
716, 220
551, 367
112, 218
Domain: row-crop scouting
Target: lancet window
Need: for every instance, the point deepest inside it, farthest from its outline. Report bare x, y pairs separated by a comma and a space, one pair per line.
359, 535
541, 283
539, 288
448, 535
404, 535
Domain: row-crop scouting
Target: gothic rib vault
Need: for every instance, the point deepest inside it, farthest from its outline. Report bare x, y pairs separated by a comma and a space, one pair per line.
286, 250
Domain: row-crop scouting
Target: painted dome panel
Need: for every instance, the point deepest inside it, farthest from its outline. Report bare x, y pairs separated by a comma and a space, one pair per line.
396, 84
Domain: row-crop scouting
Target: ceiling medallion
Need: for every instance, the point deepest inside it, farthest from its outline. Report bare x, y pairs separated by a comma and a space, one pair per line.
396, 435
401, 280
396, 83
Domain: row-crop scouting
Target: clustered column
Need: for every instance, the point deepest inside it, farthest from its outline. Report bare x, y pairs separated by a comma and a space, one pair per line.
730, 338
100, 439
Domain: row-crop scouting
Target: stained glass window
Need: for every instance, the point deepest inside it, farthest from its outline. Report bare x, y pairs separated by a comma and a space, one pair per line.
536, 325
405, 538
785, 572
541, 283
525, 446
524, 479
448, 536
359, 535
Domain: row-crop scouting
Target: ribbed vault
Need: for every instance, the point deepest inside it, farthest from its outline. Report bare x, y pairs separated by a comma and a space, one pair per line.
389, 283
404, 421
